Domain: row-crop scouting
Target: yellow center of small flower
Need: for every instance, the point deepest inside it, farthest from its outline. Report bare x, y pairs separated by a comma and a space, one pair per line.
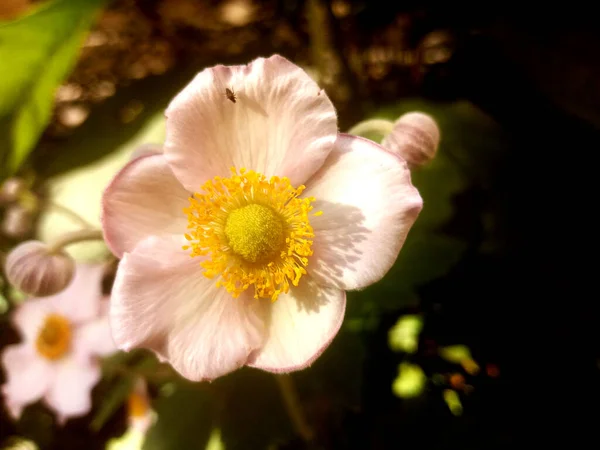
253, 230
54, 338
137, 405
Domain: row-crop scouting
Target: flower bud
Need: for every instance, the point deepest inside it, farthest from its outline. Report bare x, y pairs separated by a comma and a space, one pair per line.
17, 221
36, 270
415, 137
11, 189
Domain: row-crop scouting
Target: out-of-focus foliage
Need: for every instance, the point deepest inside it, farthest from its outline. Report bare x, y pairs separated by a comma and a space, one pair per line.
410, 382
456, 353
185, 417
42, 48
453, 401
404, 336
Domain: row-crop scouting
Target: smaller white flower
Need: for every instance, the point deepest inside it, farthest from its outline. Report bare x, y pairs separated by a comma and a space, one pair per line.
62, 335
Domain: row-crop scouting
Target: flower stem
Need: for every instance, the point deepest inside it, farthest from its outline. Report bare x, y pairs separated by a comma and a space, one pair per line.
379, 126
74, 237
67, 212
294, 410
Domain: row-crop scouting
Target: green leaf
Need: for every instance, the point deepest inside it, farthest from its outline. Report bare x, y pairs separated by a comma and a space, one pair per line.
425, 256
404, 335
111, 402
336, 376
410, 382
41, 49
438, 183
253, 414
456, 353
185, 417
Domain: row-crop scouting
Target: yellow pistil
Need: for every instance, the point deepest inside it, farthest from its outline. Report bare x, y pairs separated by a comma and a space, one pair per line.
254, 230
54, 338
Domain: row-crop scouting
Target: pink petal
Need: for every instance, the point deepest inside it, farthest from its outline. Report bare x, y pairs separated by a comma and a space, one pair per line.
303, 323
143, 199
70, 393
95, 338
146, 150
162, 301
28, 376
80, 301
369, 205
30, 315
281, 123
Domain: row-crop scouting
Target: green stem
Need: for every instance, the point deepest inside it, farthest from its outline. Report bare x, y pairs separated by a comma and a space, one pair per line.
67, 212
294, 410
74, 237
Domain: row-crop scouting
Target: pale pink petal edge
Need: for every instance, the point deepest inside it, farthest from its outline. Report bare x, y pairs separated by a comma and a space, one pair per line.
334, 331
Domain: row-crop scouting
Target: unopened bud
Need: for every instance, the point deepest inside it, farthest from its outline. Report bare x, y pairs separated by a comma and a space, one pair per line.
415, 137
17, 221
11, 189
36, 269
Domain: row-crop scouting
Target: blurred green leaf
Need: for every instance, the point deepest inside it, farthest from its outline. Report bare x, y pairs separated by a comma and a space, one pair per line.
185, 417
215, 442
253, 415
111, 402
41, 49
438, 183
410, 381
425, 256
336, 376
456, 353
404, 335
453, 401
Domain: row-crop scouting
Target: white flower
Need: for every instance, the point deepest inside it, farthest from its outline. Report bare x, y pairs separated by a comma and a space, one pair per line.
260, 277
62, 336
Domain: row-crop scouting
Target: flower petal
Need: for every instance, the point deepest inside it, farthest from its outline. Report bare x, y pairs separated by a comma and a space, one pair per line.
70, 393
162, 301
95, 338
281, 123
143, 199
369, 204
303, 323
80, 301
28, 376
30, 315
146, 150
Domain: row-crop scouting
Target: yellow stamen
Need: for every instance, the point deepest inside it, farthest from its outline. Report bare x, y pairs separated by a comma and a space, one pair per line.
54, 339
254, 230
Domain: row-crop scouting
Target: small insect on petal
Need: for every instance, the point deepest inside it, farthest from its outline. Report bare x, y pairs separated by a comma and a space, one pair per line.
230, 94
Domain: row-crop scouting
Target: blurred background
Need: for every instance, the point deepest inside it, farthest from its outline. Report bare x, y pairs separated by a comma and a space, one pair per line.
485, 333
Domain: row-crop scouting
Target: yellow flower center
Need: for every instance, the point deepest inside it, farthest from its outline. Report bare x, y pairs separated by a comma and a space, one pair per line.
255, 231
54, 339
